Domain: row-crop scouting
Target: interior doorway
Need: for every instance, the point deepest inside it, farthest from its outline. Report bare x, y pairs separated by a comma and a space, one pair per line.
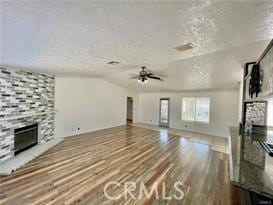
130, 104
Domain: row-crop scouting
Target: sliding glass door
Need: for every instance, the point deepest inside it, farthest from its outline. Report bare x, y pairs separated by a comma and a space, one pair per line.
164, 112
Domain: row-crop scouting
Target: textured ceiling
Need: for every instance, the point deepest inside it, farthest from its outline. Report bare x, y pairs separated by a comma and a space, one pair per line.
78, 38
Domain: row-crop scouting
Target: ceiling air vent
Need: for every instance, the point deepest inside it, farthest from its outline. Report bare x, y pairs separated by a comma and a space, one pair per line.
184, 47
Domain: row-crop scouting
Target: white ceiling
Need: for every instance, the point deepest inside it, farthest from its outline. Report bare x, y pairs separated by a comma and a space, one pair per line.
78, 38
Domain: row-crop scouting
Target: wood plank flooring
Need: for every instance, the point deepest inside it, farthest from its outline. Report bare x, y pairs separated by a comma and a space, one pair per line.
76, 170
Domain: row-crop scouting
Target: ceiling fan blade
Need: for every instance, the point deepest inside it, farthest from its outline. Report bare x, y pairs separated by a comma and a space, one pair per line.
134, 77
155, 77
144, 74
151, 74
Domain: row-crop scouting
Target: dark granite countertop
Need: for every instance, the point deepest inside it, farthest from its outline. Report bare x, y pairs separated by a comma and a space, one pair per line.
250, 166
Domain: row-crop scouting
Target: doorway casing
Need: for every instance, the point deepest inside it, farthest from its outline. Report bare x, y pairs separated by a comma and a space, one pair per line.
129, 110
164, 112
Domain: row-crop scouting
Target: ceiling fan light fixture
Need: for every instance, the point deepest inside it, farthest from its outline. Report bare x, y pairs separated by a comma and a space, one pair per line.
144, 76
142, 81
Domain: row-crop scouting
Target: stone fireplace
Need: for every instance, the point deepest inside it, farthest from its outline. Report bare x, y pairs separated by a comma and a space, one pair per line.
26, 99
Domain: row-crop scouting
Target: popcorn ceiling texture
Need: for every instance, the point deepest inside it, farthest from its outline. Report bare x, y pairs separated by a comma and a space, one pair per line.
78, 38
25, 98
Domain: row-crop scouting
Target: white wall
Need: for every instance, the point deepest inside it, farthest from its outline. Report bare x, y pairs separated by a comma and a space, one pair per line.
223, 111
92, 104
270, 112
89, 104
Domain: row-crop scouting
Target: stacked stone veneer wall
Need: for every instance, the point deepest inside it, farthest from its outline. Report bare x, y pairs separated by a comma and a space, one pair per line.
256, 113
25, 98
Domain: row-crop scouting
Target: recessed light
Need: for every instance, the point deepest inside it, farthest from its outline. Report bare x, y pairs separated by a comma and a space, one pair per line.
113, 62
185, 46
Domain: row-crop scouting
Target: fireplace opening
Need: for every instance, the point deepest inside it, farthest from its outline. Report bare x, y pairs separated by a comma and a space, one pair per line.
25, 138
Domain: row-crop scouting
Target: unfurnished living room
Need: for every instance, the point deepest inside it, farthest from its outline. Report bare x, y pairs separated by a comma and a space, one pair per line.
136, 102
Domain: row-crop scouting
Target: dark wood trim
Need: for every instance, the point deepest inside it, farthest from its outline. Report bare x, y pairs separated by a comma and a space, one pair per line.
265, 51
246, 72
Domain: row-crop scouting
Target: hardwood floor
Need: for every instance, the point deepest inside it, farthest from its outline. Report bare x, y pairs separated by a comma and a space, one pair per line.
76, 170
219, 144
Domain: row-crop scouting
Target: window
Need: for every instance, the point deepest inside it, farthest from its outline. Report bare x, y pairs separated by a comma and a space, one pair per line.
164, 112
188, 109
202, 110
196, 109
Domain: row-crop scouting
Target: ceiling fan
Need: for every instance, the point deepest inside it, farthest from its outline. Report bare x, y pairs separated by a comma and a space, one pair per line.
143, 76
